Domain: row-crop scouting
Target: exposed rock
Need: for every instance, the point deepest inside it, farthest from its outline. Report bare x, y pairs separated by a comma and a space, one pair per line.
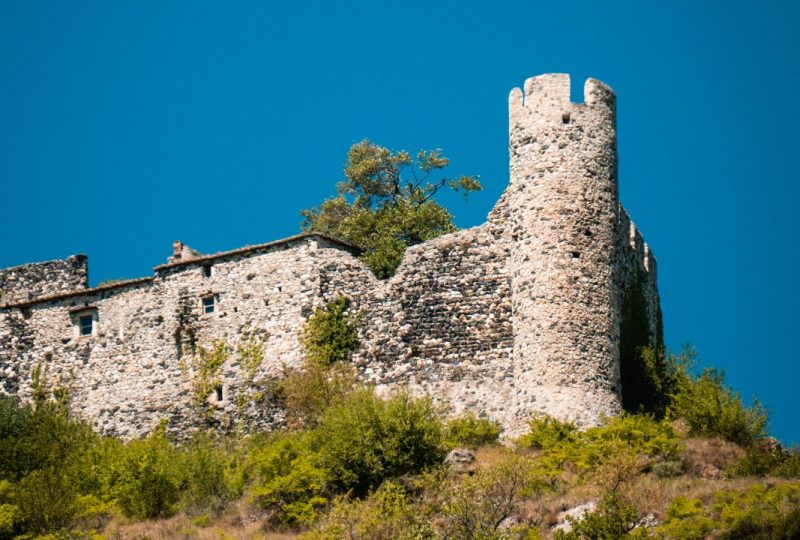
460, 459
576, 513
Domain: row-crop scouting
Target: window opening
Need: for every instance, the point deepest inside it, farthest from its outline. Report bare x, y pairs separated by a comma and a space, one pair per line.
218, 390
207, 270
85, 324
208, 304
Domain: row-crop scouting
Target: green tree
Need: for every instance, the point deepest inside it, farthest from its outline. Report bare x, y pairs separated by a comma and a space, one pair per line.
386, 203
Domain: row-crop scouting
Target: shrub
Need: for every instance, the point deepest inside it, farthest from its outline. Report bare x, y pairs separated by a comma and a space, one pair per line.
760, 511
331, 333
386, 514
8, 513
367, 439
712, 409
471, 431
477, 507
547, 432
763, 460
210, 473
45, 500
639, 435
613, 519
308, 392
148, 479
35, 439
289, 480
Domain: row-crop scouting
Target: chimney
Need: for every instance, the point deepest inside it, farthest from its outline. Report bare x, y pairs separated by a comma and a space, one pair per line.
177, 249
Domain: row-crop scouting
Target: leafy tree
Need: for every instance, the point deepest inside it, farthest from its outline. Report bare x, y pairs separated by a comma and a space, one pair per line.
386, 203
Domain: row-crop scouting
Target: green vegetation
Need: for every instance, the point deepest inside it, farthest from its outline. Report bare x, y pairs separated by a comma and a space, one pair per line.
470, 431
357, 465
386, 203
331, 333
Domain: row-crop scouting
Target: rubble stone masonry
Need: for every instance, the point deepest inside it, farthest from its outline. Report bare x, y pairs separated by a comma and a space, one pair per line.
526, 313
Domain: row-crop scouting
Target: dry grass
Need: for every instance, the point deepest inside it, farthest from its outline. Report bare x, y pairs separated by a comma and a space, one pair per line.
708, 458
238, 522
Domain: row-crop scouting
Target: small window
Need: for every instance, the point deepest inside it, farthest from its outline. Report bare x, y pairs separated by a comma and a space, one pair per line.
208, 304
218, 391
85, 325
207, 270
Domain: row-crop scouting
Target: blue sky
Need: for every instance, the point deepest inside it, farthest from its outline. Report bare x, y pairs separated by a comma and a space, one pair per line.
127, 125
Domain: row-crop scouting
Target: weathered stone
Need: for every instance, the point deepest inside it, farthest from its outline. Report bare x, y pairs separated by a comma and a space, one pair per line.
519, 315
460, 459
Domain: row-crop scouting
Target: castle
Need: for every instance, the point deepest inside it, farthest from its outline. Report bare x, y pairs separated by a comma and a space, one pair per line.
533, 311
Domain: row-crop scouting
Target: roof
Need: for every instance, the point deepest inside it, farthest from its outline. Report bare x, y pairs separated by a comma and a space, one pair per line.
258, 247
80, 292
202, 259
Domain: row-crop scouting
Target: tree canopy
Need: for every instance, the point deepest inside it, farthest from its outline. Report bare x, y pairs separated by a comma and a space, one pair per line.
386, 203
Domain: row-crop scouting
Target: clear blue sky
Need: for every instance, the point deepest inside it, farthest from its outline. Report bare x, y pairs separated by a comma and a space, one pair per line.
126, 125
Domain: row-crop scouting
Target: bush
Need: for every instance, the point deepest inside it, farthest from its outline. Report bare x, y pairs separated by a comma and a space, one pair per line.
477, 507
308, 392
638, 435
711, 409
547, 432
471, 431
760, 511
35, 439
331, 333
764, 460
46, 501
289, 480
386, 514
613, 519
211, 473
367, 439
149, 479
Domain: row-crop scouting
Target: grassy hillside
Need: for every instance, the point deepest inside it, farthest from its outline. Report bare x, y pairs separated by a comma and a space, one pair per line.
355, 465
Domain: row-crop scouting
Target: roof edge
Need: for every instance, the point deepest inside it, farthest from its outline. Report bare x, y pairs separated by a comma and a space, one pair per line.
256, 247
90, 290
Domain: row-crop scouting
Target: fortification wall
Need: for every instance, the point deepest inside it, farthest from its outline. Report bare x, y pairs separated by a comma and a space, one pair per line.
36, 280
441, 326
533, 311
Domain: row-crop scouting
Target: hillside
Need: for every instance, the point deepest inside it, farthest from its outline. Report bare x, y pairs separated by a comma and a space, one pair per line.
357, 465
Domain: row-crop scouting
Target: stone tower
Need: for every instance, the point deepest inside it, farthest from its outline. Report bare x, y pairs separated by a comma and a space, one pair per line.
564, 213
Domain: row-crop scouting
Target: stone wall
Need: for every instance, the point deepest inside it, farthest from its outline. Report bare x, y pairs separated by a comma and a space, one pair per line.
529, 312
36, 280
563, 196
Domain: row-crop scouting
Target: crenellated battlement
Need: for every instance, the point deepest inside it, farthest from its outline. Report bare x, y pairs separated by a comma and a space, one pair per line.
547, 97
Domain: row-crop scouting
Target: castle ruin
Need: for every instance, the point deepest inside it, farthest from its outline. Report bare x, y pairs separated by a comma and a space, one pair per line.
532, 311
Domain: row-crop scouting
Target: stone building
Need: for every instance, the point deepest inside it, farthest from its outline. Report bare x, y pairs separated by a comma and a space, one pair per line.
532, 311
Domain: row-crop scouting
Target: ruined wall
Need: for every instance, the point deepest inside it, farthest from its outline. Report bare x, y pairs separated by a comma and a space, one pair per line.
530, 312
36, 280
640, 311
442, 325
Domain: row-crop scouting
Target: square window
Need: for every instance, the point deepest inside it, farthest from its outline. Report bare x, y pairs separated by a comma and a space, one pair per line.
208, 304
85, 325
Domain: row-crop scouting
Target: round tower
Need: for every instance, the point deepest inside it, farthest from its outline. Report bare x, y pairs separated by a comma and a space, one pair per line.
564, 209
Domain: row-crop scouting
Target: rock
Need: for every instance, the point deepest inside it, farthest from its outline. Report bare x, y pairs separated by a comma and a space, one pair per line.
576, 513
460, 459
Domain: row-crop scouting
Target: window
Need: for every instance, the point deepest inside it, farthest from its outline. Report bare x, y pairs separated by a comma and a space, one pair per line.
218, 391
208, 304
85, 324
207, 270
